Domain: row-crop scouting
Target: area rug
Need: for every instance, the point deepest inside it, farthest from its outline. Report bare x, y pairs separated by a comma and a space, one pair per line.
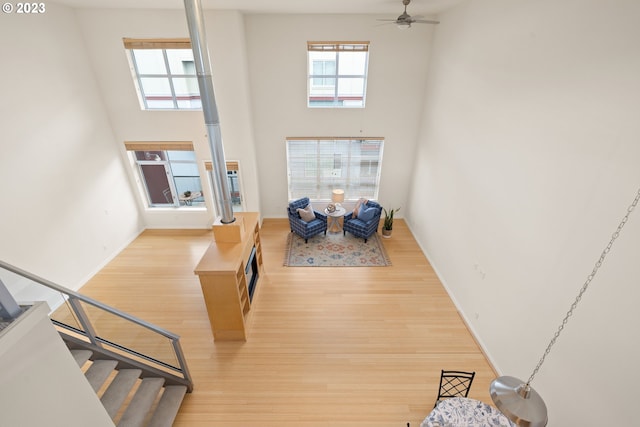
335, 250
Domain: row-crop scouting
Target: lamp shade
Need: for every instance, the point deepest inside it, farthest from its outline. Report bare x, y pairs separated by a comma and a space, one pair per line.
518, 402
337, 196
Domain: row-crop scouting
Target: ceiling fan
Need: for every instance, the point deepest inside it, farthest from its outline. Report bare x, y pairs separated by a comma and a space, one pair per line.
405, 20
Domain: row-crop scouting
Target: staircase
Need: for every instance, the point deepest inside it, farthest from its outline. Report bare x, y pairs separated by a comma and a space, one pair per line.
131, 400
136, 388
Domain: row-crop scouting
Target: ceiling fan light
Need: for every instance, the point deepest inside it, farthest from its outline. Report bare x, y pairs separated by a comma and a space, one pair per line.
515, 398
519, 402
403, 25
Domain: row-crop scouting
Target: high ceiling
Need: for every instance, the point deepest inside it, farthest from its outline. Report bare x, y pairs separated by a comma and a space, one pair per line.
385, 7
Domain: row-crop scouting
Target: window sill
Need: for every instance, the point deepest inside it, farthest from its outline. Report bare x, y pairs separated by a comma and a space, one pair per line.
177, 208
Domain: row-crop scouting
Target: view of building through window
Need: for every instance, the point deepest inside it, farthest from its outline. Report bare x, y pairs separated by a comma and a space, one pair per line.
233, 182
337, 74
170, 178
317, 166
234, 189
164, 74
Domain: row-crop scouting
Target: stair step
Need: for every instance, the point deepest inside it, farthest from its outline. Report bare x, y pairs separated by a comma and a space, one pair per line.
99, 371
168, 406
141, 402
129, 400
81, 356
119, 389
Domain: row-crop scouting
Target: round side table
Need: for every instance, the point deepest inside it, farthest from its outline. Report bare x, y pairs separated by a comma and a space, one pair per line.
334, 226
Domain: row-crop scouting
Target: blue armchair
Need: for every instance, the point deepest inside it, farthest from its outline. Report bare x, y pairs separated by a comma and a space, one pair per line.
363, 228
301, 227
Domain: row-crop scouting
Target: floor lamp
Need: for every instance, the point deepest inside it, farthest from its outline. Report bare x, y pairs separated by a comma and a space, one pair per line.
515, 398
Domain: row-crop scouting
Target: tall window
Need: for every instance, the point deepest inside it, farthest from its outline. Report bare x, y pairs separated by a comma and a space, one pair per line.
233, 181
168, 172
337, 73
317, 166
164, 74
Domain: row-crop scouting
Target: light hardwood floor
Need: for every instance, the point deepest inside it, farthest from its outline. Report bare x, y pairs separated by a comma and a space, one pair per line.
357, 346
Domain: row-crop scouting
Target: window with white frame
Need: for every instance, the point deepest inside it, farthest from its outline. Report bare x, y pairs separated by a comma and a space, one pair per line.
337, 74
168, 173
164, 73
316, 166
233, 182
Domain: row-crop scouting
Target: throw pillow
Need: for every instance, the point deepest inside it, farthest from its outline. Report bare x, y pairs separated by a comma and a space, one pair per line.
307, 214
366, 213
359, 204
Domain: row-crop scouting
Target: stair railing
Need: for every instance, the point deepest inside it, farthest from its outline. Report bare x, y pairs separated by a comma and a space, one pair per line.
83, 321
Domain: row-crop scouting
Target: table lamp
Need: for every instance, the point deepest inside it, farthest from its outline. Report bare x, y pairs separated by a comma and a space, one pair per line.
337, 196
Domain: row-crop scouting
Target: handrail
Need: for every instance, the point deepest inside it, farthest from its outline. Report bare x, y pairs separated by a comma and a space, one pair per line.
62, 289
175, 339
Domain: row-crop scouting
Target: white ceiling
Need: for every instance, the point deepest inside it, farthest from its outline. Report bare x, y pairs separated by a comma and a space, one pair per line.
385, 7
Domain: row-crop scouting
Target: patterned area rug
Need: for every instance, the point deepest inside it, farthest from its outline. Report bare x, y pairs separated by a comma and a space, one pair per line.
335, 250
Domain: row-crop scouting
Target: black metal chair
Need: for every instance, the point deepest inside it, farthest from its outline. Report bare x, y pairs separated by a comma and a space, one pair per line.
454, 384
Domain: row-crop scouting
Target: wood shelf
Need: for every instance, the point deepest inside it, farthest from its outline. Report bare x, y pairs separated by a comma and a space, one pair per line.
223, 280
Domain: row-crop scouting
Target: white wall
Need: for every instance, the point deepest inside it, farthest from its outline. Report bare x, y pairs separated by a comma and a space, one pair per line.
67, 207
36, 393
527, 161
103, 31
277, 52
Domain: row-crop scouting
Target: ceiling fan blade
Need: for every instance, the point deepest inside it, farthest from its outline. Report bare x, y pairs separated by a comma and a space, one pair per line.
387, 20
426, 21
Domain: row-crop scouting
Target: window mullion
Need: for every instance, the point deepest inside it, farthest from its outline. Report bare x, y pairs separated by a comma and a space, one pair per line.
348, 177
139, 79
169, 77
337, 82
172, 183
318, 167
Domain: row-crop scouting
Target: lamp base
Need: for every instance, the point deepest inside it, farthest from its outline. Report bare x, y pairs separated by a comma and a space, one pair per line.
518, 402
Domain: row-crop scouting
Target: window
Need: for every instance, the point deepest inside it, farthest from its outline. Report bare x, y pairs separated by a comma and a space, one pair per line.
337, 74
233, 181
164, 74
168, 172
318, 165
